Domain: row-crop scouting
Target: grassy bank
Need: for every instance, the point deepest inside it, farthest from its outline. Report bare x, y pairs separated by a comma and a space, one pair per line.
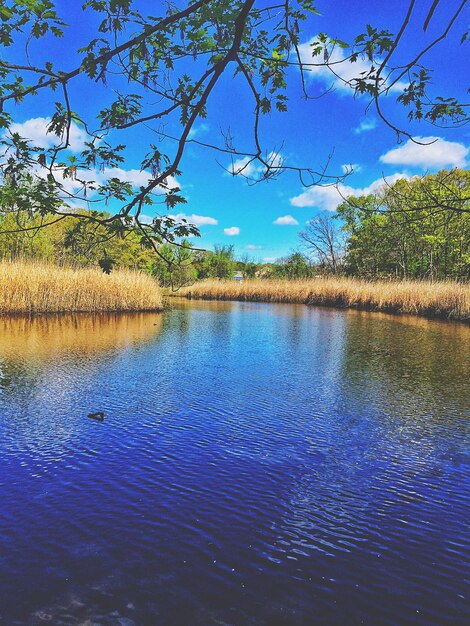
437, 299
31, 287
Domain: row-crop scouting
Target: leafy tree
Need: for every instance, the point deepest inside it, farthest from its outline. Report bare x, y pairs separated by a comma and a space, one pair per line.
418, 227
176, 270
177, 58
296, 265
25, 238
247, 267
72, 242
217, 264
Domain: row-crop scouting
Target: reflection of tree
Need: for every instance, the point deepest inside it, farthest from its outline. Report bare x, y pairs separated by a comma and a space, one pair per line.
407, 366
61, 344
8, 373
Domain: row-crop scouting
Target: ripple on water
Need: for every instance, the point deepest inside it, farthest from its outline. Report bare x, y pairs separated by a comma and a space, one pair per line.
257, 464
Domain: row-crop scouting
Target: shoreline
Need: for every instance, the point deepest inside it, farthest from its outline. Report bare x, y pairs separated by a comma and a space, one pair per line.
84, 312
439, 300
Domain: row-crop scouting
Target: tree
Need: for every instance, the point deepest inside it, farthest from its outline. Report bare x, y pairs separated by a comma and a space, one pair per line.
248, 267
78, 243
138, 59
176, 269
369, 252
323, 238
417, 228
296, 265
217, 264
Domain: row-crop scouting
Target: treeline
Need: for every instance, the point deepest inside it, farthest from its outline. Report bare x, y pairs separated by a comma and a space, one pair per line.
188, 266
415, 228
70, 241
81, 243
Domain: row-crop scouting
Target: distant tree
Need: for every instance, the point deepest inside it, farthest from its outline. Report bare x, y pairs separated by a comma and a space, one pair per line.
418, 227
323, 238
69, 241
369, 249
217, 264
294, 266
247, 267
176, 270
22, 238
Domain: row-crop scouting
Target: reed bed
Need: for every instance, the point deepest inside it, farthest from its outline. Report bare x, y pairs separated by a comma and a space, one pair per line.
431, 299
36, 288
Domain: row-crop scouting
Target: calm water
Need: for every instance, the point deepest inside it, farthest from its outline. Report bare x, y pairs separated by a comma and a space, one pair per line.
258, 464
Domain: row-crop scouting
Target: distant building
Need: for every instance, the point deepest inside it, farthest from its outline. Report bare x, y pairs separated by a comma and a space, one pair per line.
238, 276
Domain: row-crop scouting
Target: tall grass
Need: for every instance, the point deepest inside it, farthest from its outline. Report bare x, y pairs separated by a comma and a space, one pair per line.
432, 299
34, 287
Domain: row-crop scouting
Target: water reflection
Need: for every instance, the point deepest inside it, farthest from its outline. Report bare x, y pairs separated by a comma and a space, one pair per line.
45, 338
413, 366
258, 464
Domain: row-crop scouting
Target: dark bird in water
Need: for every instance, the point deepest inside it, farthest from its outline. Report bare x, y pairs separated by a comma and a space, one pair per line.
98, 416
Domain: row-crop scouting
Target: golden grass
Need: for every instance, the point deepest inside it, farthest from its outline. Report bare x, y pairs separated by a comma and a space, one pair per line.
33, 287
432, 299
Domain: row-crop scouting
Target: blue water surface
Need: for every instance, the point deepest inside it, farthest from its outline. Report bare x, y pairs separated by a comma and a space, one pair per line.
258, 464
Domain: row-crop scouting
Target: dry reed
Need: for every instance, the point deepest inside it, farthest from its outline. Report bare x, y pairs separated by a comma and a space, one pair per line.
32, 287
432, 299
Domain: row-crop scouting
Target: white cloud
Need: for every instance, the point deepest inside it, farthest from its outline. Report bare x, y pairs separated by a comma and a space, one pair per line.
350, 168
197, 131
252, 246
328, 198
198, 220
269, 259
286, 220
439, 154
232, 231
369, 123
247, 166
275, 159
35, 130
432, 155
344, 71
137, 178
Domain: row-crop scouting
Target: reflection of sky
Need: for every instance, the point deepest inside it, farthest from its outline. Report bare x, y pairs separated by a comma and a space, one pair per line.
49, 364
400, 421
409, 367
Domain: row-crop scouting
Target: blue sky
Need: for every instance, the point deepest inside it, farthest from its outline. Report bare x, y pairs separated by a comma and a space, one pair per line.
262, 221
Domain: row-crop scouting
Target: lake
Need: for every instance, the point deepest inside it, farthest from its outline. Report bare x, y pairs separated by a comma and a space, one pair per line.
258, 464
